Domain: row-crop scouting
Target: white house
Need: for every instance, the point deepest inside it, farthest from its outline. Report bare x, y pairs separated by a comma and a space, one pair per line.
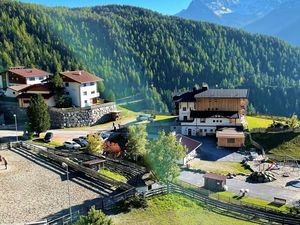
81, 86
191, 146
20, 76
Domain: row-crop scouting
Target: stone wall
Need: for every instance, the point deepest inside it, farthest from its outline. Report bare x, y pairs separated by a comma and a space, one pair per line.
64, 118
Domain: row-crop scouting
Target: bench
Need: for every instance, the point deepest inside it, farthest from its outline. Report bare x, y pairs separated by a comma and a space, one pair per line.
279, 201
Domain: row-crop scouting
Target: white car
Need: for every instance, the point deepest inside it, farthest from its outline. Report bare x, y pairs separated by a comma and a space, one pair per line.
71, 145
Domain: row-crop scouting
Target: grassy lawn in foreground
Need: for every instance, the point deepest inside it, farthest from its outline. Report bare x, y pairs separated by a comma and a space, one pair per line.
113, 175
233, 198
174, 209
257, 122
280, 143
219, 167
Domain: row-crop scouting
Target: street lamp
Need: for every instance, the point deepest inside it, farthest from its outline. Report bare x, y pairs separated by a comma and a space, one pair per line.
65, 165
16, 125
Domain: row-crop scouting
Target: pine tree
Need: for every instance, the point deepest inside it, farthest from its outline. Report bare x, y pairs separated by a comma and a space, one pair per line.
38, 115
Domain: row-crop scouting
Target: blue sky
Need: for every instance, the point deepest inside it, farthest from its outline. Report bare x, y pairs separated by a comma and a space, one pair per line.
163, 6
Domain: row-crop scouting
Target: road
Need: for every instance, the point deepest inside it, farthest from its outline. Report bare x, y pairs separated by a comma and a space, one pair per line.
265, 191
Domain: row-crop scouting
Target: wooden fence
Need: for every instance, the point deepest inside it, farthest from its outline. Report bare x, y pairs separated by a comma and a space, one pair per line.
50, 153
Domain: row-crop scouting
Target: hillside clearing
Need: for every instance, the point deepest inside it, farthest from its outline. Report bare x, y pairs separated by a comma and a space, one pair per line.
174, 209
257, 122
280, 143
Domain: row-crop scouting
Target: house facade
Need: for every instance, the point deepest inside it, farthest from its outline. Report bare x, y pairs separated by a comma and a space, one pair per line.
42, 89
15, 76
81, 86
191, 148
204, 111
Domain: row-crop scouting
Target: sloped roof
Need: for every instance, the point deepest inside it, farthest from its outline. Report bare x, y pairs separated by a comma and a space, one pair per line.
190, 143
18, 87
214, 176
223, 93
38, 88
79, 76
208, 114
28, 95
188, 96
29, 72
230, 133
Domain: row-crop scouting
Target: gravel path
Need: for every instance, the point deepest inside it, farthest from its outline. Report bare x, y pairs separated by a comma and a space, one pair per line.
30, 191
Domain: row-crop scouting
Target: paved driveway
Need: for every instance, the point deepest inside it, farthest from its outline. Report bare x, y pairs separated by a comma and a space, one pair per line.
210, 152
263, 191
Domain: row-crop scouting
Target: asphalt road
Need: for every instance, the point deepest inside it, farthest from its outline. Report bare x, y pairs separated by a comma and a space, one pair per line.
263, 191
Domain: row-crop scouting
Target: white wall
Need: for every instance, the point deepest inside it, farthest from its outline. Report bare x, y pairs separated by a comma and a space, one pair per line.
37, 80
189, 106
77, 93
73, 90
199, 128
88, 88
11, 93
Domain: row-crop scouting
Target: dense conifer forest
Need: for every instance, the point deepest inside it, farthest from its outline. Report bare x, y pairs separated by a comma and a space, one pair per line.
137, 51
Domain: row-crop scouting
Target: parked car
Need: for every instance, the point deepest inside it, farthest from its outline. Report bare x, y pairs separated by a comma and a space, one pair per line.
80, 141
105, 134
143, 117
71, 145
48, 137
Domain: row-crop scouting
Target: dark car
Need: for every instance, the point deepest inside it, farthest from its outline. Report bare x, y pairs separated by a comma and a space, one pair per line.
80, 141
48, 137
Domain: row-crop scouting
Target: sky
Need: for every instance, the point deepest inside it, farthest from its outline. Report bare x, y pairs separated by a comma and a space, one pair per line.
169, 7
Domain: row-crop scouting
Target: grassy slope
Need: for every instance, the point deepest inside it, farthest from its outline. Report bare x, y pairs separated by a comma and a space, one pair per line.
257, 122
220, 167
280, 144
113, 175
227, 196
173, 209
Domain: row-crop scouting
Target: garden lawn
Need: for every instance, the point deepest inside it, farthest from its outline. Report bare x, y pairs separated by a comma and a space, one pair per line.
219, 167
113, 175
233, 198
174, 209
280, 143
257, 122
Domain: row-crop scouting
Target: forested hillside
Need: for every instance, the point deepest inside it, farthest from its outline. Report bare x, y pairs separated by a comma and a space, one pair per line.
138, 51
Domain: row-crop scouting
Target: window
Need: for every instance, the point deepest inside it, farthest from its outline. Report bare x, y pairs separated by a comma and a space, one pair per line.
92, 83
217, 109
14, 92
85, 93
208, 109
230, 140
205, 130
26, 101
217, 121
31, 78
211, 130
85, 101
84, 85
67, 84
41, 78
93, 92
185, 118
214, 121
184, 109
220, 121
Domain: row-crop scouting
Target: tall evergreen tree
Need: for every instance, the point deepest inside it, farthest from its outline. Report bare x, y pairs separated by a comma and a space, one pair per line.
38, 115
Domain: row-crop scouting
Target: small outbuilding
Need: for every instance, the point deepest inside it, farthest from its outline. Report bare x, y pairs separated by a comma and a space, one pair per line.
214, 182
230, 138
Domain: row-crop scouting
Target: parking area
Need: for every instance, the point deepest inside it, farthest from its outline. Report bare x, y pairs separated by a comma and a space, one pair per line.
210, 152
33, 188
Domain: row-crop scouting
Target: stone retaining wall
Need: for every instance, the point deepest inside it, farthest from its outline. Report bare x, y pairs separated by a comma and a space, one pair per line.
64, 118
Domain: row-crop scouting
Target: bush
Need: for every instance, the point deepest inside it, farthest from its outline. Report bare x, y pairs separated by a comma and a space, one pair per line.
135, 202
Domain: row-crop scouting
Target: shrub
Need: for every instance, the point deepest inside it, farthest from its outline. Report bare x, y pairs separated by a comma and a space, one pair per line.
135, 202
